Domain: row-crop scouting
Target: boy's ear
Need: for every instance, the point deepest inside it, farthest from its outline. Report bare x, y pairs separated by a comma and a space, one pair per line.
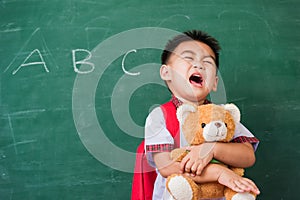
165, 72
215, 86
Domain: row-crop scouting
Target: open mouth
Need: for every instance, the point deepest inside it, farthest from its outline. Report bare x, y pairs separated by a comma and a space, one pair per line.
196, 79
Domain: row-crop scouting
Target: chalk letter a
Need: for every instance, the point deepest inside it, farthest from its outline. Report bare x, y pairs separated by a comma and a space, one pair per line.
24, 64
82, 62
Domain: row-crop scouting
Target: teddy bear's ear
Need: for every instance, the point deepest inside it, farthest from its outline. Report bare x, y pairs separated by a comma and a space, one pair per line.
234, 111
183, 111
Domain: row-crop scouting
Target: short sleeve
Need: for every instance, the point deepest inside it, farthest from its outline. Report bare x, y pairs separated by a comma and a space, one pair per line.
156, 132
242, 134
157, 136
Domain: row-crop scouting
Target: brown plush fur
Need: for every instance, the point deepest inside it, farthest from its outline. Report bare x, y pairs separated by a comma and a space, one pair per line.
206, 113
193, 130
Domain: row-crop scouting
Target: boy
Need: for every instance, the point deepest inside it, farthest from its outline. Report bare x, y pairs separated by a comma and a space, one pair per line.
189, 67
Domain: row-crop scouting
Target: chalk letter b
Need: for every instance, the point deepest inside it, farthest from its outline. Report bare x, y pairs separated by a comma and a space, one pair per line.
82, 62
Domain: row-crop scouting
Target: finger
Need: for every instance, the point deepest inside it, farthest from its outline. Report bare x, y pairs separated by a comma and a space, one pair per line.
252, 186
235, 187
199, 170
197, 167
251, 183
188, 166
187, 174
242, 184
194, 168
183, 163
247, 185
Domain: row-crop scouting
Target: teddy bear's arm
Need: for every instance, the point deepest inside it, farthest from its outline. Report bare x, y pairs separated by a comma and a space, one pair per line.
178, 154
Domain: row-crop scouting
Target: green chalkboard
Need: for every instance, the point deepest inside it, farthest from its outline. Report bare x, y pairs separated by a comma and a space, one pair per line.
78, 79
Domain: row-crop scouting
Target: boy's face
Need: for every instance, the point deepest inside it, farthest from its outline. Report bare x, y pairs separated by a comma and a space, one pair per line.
191, 71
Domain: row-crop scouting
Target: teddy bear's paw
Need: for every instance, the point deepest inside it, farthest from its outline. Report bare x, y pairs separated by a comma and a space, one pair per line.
182, 188
243, 196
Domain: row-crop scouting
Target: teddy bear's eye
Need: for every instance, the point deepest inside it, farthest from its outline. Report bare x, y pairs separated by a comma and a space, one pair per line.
203, 125
226, 124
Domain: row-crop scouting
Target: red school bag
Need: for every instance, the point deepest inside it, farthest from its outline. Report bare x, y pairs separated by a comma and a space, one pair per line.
144, 175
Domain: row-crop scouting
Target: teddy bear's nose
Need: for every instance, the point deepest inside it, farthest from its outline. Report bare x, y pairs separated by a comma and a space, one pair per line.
218, 124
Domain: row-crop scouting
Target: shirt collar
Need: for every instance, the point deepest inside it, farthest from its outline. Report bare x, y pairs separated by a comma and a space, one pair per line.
177, 102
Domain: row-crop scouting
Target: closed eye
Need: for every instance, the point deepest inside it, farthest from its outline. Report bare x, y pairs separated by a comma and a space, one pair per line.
209, 60
188, 58
188, 55
209, 63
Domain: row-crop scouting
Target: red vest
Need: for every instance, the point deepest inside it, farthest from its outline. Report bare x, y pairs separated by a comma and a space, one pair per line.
144, 175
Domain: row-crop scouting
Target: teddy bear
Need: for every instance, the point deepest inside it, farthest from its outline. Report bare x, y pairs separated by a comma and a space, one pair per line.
200, 124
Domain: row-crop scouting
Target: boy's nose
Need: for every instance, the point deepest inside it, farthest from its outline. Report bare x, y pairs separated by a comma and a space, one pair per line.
198, 65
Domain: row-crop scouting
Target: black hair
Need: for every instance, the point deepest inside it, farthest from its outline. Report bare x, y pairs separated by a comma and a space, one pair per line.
196, 35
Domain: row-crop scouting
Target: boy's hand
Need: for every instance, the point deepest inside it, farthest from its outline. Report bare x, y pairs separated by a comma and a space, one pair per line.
197, 159
236, 182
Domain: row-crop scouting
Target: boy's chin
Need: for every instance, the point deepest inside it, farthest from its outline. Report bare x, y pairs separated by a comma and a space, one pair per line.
197, 99
199, 96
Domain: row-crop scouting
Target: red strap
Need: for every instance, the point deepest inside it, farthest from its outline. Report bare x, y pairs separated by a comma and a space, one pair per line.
172, 124
144, 175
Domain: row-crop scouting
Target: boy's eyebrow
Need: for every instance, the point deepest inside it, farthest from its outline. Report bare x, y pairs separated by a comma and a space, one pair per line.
192, 52
188, 51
